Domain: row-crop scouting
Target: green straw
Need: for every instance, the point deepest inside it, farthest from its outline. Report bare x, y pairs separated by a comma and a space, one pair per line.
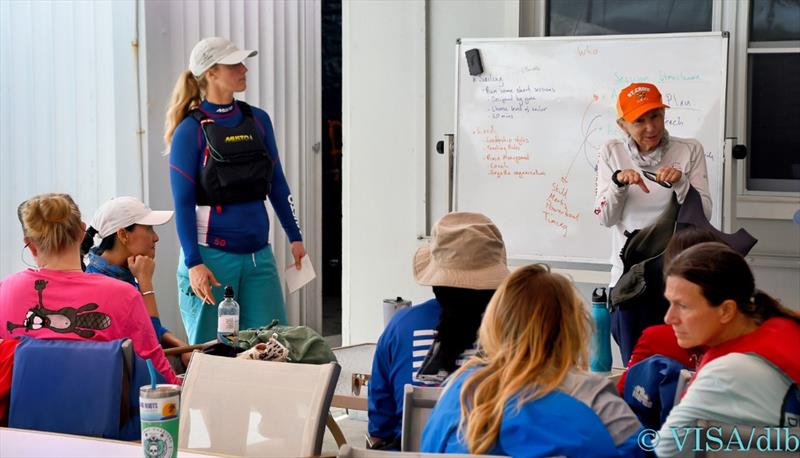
152, 371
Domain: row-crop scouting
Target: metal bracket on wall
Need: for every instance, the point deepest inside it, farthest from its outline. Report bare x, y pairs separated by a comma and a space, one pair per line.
449, 147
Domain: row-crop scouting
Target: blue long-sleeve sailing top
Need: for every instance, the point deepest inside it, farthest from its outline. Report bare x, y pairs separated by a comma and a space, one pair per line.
236, 228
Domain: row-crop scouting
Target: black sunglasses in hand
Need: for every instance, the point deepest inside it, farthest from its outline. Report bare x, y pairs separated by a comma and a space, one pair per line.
652, 177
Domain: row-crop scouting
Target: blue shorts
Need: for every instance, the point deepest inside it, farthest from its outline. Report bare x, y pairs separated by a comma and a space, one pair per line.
256, 287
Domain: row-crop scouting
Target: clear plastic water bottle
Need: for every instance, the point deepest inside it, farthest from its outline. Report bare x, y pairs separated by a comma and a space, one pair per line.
600, 351
228, 319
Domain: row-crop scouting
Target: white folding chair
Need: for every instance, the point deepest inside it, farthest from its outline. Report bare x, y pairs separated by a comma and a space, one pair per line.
255, 408
418, 402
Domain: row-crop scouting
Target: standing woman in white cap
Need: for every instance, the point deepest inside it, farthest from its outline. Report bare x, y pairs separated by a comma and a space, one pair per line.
127, 252
224, 164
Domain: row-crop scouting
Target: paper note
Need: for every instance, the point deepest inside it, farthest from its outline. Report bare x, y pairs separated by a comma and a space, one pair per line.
296, 279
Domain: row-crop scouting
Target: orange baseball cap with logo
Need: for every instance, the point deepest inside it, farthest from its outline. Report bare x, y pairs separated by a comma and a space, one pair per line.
637, 99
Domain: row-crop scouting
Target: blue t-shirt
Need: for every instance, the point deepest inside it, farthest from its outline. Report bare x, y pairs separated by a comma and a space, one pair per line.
398, 355
557, 424
236, 228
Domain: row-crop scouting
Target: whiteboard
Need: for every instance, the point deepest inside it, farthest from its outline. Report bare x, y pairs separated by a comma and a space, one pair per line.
530, 127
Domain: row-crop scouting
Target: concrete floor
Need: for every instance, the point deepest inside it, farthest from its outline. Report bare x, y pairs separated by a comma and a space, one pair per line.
353, 426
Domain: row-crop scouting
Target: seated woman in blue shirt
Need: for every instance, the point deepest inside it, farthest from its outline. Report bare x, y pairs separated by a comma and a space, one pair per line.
127, 252
526, 393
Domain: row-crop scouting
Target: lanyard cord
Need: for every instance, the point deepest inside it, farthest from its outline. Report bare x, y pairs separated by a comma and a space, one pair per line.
216, 155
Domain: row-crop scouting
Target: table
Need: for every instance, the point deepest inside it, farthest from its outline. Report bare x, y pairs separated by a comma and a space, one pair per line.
23, 443
350, 402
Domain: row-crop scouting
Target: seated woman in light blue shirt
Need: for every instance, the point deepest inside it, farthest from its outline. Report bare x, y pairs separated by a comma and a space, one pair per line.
527, 393
750, 366
127, 252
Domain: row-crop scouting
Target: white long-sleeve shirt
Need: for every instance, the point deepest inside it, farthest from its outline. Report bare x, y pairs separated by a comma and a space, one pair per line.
737, 388
628, 208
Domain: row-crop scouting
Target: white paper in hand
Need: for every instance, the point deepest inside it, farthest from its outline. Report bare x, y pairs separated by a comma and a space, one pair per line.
296, 279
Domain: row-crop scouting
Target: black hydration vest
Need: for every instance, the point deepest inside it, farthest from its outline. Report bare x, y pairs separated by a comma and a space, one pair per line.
236, 165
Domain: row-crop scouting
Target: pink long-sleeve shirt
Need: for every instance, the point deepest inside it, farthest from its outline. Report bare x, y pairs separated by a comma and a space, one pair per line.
50, 304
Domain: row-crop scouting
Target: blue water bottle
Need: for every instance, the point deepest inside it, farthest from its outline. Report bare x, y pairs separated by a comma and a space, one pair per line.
600, 351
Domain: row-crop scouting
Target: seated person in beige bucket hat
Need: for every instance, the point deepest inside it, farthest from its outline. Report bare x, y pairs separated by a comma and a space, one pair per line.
464, 262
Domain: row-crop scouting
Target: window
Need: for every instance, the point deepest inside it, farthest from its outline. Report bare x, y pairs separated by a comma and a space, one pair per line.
774, 20
773, 50
610, 17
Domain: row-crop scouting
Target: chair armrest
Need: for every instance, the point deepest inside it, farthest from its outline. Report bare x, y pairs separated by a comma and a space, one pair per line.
184, 349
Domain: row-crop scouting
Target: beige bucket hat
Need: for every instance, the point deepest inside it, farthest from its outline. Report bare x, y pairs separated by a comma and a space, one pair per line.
466, 250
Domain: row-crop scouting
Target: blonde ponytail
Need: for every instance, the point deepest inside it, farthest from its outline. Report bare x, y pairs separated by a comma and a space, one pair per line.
187, 95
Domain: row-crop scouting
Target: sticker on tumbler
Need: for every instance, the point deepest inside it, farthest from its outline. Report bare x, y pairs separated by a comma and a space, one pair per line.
157, 442
156, 409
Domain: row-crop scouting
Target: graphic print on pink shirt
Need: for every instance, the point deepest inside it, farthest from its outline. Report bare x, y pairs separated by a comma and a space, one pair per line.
81, 321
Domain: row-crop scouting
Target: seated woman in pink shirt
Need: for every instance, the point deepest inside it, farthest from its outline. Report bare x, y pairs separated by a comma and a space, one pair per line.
56, 300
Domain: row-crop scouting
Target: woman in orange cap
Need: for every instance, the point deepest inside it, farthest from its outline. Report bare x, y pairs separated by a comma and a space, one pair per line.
636, 175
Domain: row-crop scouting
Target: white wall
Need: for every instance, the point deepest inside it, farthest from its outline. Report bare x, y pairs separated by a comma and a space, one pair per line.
68, 121
397, 59
383, 112
775, 259
449, 20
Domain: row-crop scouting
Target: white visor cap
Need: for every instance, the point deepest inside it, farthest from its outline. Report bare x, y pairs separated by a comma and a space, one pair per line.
121, 212
216, 50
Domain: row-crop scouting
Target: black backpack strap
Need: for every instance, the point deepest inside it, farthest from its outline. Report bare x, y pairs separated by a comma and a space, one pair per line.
198, 115
246, 110
128, 409
623, 253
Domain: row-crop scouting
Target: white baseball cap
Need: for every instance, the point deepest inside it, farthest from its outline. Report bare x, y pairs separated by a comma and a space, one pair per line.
121, 212
216, 50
